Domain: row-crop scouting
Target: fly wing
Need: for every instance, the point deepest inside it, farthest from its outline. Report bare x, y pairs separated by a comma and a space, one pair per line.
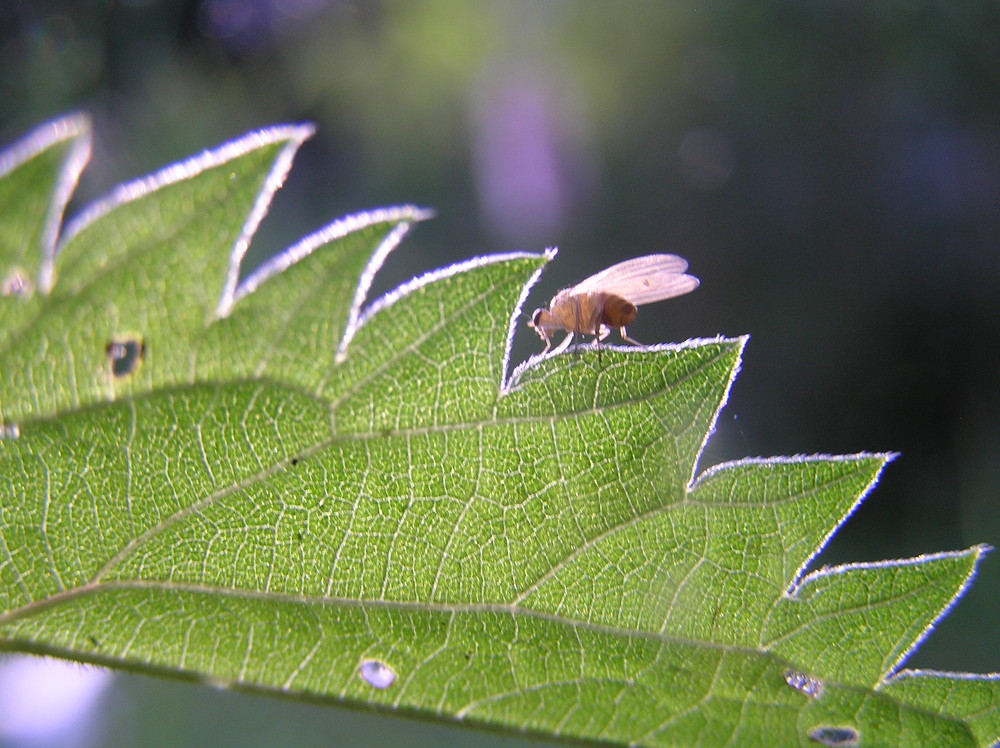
642, 280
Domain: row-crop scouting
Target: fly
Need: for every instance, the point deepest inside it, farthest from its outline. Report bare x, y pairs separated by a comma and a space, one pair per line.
608, 299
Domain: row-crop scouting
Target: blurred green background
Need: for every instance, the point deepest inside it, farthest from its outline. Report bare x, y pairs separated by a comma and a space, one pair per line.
830, 169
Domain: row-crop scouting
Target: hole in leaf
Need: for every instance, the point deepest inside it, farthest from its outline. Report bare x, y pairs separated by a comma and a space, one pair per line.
9, 431
377, 674
803, 683
124, 356
17, 283
834, 736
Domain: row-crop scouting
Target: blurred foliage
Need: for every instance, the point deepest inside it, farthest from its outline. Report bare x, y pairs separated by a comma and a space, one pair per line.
830, 169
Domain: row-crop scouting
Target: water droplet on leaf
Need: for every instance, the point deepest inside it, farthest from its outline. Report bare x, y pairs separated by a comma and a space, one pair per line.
834, 736
377, 674
803, 683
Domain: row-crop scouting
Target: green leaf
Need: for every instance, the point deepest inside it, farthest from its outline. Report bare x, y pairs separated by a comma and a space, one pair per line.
278, 484
37, 177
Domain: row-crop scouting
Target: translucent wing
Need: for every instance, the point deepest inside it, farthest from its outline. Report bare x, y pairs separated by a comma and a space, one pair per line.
642, 280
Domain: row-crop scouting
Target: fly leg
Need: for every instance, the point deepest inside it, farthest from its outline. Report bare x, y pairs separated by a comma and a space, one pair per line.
546, 338
540, 331
627, 339
563, 345
600, 333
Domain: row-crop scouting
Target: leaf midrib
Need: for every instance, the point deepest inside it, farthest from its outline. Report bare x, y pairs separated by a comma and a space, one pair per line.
264, 596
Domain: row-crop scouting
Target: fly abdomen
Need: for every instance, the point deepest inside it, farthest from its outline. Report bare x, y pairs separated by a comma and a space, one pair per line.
616, 311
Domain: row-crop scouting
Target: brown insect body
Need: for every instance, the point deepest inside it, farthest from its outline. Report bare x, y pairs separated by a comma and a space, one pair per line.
588, 314
608, 300
615, 311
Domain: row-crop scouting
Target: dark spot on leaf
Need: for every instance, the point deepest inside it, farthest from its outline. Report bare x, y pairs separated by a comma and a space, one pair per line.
377, 674
298, 536
715, 616
386, 433
124, 356
834, 736
803, 683
295, 461
93, 640
468, 655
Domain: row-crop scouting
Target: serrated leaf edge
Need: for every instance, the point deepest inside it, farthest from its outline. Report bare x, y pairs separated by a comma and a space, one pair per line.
405, 215
127, 192
978, 551
405, 289
931, 673
515, 315
76, 127
886, 458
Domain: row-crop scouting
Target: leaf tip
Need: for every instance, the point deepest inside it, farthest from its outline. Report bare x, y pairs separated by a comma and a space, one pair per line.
43, 137
293, 136
509, 379
405, 215
75, 127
